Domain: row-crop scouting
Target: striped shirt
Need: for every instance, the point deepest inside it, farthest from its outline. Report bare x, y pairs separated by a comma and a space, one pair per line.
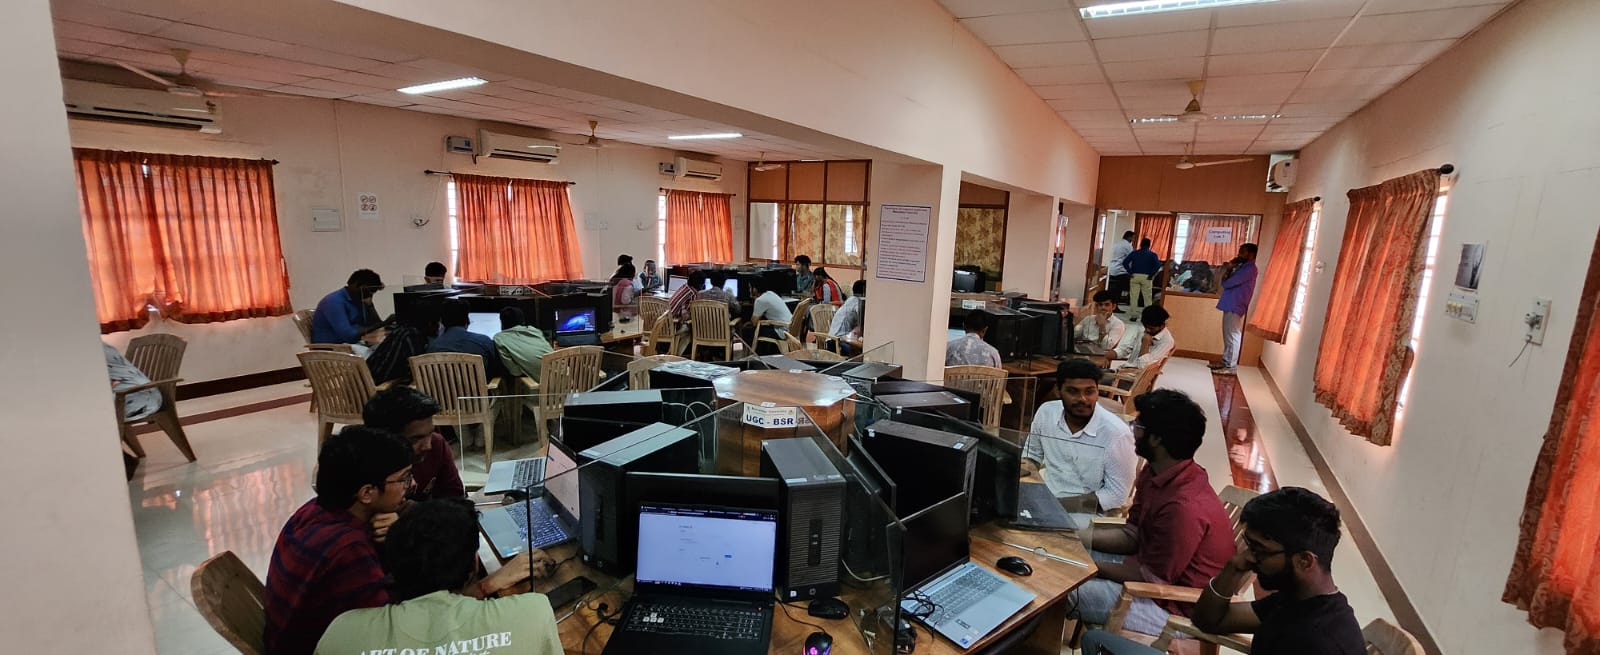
324, 564
678, 304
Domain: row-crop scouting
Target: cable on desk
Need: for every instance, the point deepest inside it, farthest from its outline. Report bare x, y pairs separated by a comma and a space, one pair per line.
859, 578
785, 607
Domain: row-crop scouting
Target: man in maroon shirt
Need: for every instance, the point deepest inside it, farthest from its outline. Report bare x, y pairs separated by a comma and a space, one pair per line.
1177, 531
407, 412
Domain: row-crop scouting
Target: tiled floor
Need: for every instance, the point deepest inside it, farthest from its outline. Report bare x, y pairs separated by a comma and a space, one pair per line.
255, 469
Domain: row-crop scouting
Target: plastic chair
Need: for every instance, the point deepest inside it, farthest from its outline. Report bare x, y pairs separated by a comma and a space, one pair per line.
711, 327
302, 322
565, 371
341, 384
988, 382
639, 369
158, 356
797, 323
650, 310
231, 598
821, 315
1128, 384
458, 382
777, 334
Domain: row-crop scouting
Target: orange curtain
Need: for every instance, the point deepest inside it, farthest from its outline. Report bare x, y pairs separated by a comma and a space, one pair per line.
1276, 293
1196, 249
196, 237
1365, 349
1160, 229
1555, 575
515, 230
699, 227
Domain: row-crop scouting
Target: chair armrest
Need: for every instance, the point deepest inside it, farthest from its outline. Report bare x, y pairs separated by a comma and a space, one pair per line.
494, 384
157, 384
529, 383
1183, 625
1162, 592
1108, 521
385, 385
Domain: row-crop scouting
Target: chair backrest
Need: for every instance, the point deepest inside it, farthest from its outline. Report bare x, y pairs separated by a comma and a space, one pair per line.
1141, 385
987, 381
158, 356
230, 596
822, 317
1385, 638
661, 333
650, 309
302, 322
457, 381
710, 319
816, 355
639, 369
341, 383
332, 347
797, 324
569, 370
1234, 499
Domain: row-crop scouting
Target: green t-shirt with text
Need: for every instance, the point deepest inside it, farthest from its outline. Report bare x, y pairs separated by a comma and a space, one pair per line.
444, 623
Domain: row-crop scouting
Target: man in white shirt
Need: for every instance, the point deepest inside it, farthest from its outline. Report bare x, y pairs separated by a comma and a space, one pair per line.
1154, 345
768, 306
971, 349
1102, 328
847, 321
1082, 451
1118, 284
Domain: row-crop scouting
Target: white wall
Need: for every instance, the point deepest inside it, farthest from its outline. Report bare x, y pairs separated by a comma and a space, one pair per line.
74, 584
1513, 108
1081, 224
1030, 240
329, 151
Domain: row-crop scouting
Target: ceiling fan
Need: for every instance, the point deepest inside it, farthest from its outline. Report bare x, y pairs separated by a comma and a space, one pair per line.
182, 84
1191, 112
1184, 163
762, 166
594, 141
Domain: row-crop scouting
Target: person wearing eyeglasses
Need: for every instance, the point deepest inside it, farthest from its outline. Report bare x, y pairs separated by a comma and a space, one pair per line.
1177, 531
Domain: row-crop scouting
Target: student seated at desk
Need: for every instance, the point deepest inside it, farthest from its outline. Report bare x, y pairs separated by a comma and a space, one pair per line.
456, 338
390, 361
718, 278
407, 412
433, 555
1102, 328
804, 280
650, 279
825, 289
678, 304
522, 347
848, 321
1177, 530
971, 349
1156, 344
345, 315
768, 306
1082, 451
623, 299
432, 278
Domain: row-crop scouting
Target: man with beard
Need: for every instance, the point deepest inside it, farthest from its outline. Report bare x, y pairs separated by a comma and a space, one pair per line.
1177, 531
1082, 451
1289, 538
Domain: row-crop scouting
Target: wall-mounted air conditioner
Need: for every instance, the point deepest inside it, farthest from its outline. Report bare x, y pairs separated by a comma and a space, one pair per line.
705, 170
1280, 174
520, 148
119, 104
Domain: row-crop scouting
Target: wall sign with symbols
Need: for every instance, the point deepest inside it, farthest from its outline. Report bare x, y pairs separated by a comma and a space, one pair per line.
767, 416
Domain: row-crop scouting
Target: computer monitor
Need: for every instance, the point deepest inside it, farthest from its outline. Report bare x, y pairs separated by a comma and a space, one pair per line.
675, 282
730, 286
707, 547
483, 323
964, 282
935, 540
576, 320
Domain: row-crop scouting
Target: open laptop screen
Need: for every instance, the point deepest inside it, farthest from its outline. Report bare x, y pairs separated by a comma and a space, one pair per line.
484, 323
935, 540
729, 549
575, 321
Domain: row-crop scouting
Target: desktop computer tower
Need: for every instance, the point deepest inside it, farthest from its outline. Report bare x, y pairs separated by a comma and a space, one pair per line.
687, 374
608, 534
999, 465
811, 512
593, 418
927, 465
1055, 336
942, 401
1005, 331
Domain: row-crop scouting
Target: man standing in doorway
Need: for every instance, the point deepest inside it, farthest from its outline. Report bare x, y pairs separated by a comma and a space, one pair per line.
1118, 283
1142, 265
1238, 285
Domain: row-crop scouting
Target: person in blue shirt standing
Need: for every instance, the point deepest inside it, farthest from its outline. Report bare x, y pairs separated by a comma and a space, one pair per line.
346, 315
1142, 266
1238, 285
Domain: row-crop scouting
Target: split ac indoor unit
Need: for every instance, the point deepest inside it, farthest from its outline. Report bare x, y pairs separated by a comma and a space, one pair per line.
119, 104
520, 148
705, 170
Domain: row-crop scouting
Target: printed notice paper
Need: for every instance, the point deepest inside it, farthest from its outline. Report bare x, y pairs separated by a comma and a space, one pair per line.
903, 242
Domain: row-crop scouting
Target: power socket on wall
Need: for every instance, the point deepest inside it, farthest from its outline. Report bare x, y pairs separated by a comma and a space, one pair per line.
1536, 319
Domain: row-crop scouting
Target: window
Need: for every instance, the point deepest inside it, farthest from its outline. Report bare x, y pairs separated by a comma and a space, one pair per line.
1435, 228
455, 229
813, 208
1302, 283
661, 231
1180, 244
850, 247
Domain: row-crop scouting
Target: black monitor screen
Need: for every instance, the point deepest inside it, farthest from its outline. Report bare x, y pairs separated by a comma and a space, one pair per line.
964, 281
935, 540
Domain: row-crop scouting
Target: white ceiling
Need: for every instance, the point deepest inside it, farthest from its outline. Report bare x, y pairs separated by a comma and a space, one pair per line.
322, 68
1314, 62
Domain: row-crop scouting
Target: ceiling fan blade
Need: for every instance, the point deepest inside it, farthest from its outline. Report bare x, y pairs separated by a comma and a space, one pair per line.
146, 74
1222, 161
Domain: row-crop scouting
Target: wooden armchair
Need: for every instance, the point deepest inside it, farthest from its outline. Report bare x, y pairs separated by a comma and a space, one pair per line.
341, 385
712, 327
158, 356
461, 387
650, 310
797, 322
821, 322
1130, 383
231, 598
639, 369
777, 334
566, 371
988, 382
302, 322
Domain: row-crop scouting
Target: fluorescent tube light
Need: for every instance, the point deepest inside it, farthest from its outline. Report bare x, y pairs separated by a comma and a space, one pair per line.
1154, 119
1154, 6
695, 137
1247, 117
458, 83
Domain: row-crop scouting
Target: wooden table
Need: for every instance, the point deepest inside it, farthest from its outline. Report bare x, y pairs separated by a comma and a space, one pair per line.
1050, 583
823, 398
623, 336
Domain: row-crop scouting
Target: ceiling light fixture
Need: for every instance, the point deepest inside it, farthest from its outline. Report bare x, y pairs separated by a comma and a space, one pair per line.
696, 137
1247, 117
1155, 6
1154, 119
431, 87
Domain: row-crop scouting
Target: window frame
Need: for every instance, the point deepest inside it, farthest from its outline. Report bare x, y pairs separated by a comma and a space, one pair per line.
819, 258
1302, 280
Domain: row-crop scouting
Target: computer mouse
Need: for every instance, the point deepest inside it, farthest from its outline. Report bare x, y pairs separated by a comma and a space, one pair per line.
819, 643
828, 608
1014, 566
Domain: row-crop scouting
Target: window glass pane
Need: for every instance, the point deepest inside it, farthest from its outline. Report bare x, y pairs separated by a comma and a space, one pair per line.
843, 234
981, 238
806, 223
763, 237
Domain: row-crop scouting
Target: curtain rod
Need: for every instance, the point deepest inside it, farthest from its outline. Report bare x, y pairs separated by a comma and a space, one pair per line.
709, 193
429, 171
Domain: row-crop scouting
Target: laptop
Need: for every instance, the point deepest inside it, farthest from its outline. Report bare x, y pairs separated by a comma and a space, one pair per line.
550, 518
946, 591
1038, 509
704, 582
516, 475
576, 327
1088, 348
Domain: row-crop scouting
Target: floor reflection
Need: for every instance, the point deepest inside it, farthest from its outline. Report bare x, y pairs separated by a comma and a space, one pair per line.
1246, 454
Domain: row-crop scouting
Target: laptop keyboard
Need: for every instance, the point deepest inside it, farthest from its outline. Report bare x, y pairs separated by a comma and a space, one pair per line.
529, 473
696, 621
546, 530
961, 594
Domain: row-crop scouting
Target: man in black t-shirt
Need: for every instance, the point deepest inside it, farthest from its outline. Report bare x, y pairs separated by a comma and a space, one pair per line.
1289, 539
